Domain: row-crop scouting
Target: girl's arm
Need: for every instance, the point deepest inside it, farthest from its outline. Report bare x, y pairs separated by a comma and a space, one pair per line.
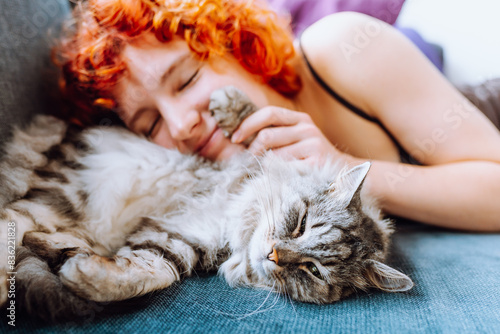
371, 63
460, 195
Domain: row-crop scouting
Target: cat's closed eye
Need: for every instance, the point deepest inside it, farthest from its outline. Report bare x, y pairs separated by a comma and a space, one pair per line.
301, 227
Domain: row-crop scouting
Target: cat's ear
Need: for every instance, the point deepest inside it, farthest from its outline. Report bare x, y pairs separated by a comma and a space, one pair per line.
351, 183
386, 278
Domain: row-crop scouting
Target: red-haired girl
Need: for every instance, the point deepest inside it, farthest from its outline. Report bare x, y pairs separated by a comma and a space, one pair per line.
350, 87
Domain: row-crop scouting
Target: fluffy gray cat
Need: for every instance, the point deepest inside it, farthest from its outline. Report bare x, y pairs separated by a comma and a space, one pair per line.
104, 215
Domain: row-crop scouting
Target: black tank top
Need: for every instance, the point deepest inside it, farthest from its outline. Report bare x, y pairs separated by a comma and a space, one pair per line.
404, 156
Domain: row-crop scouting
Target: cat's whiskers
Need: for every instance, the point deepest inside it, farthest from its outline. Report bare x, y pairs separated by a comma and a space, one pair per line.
281, 282
288, 297
259, 309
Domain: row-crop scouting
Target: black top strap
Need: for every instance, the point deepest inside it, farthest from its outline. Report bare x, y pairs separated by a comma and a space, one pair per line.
334, 94
405, 157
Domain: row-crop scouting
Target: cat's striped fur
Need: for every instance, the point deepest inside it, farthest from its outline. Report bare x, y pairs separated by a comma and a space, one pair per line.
103, 215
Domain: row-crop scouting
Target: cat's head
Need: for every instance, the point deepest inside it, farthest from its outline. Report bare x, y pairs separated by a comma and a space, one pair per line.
310, 235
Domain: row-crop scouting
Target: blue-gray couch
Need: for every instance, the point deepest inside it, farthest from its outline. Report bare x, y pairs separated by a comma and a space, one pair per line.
456, 275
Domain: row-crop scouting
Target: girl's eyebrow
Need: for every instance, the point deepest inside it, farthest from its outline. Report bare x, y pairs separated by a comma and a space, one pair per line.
174, 66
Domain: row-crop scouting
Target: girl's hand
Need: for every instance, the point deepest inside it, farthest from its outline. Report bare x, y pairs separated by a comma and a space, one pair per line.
289, 134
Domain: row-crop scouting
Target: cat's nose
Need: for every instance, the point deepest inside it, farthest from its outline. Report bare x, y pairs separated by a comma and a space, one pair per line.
273, 256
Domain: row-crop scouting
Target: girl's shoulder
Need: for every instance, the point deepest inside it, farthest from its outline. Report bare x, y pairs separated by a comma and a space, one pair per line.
352, 51
343, 34
342, 48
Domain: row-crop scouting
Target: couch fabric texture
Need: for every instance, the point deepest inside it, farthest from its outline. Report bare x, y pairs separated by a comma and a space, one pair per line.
27, 79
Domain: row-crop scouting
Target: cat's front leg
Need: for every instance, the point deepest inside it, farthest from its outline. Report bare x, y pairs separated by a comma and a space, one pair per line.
152, 260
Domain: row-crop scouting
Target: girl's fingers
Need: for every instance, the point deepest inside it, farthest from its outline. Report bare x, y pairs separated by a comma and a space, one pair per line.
265, 118
289, 134
276, 137
271, 138
306, 151
301, 150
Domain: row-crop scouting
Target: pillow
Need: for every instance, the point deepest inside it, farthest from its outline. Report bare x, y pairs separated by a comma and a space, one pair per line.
28, 81
306, 12
485, 96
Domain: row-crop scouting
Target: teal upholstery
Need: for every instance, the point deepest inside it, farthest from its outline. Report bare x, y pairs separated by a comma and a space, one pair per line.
456, 277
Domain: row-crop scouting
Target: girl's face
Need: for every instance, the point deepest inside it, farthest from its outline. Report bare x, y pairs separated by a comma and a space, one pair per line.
166, 92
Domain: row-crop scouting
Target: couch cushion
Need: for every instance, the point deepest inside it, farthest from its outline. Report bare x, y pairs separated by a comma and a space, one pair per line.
27, 78
456, 278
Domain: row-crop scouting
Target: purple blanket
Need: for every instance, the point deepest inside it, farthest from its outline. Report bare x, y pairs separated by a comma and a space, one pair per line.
306, 12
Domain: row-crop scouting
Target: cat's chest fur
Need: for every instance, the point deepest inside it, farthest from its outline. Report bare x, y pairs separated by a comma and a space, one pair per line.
129, 179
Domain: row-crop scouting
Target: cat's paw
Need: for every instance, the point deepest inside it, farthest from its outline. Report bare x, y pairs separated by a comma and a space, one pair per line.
100, 278
84, 275
131, 274
229, 106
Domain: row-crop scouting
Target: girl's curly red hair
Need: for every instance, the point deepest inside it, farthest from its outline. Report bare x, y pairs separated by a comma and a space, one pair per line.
91, 56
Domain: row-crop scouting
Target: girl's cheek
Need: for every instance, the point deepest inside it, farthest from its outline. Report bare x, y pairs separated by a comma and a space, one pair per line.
162, 137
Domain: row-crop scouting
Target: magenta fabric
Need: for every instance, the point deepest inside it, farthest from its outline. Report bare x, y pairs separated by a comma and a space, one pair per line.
306, 12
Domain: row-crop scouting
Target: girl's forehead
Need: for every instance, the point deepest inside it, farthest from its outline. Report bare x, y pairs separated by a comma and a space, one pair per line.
142, 51
147, 63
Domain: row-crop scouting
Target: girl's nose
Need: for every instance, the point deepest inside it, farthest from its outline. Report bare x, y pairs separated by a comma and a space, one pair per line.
181, 123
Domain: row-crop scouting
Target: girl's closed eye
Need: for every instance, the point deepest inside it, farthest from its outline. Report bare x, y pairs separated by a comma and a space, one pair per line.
151, 132
190, 80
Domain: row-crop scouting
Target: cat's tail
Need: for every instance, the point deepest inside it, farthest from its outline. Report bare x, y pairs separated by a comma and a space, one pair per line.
40, 293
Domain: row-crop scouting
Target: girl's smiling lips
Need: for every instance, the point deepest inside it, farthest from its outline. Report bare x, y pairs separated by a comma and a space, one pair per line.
210, 147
